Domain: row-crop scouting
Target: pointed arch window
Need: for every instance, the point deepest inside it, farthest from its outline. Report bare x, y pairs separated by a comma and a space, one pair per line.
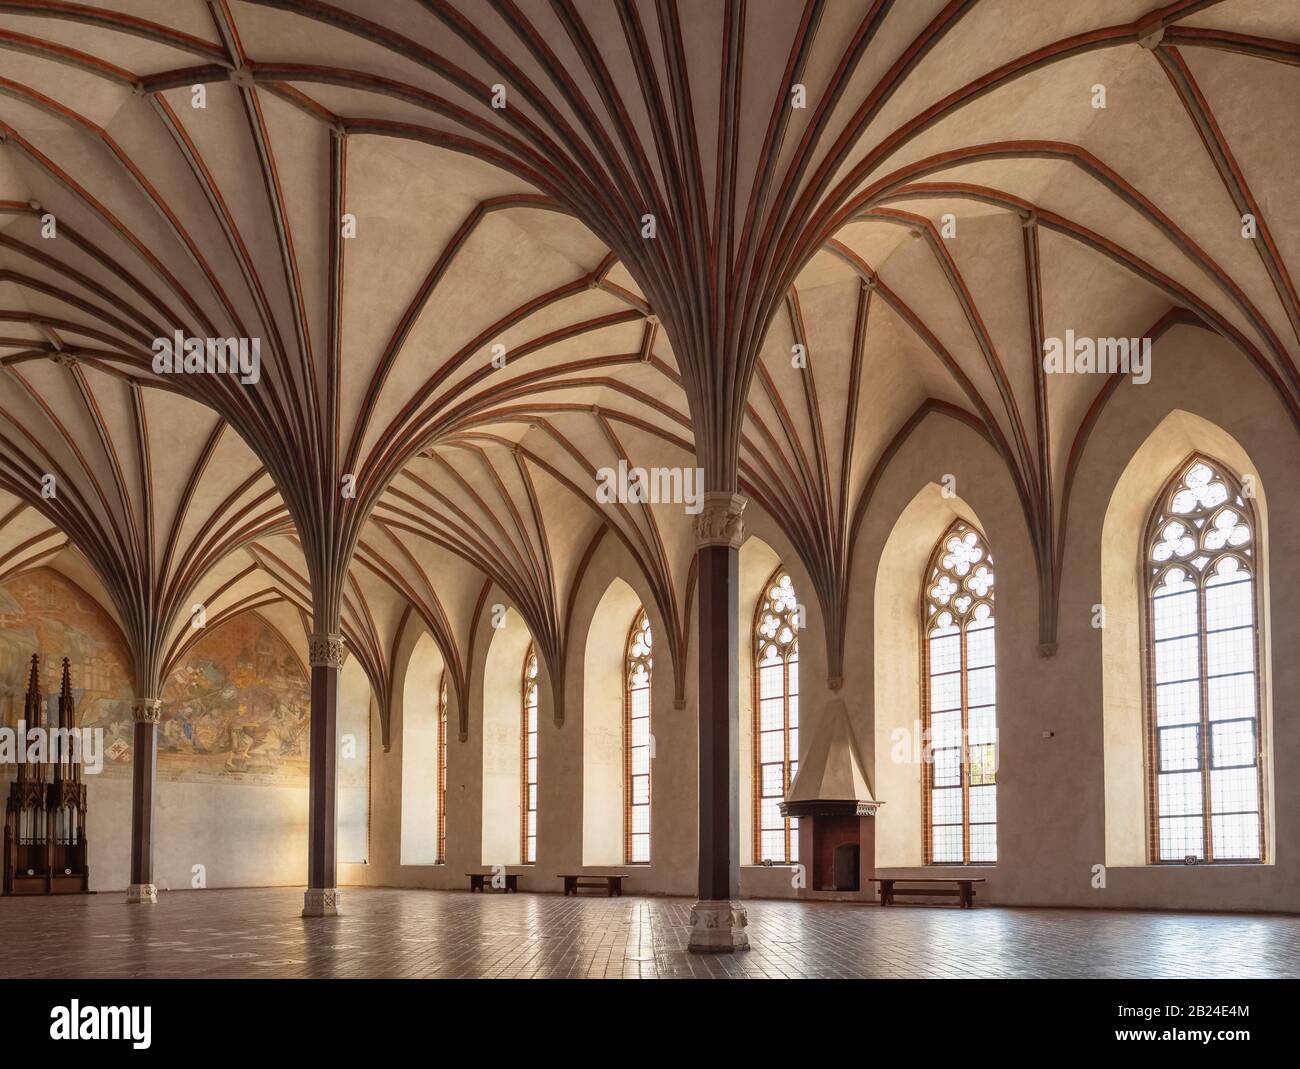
959, 703
528, 754
776, 718
1203, 711
442, 770
637, 743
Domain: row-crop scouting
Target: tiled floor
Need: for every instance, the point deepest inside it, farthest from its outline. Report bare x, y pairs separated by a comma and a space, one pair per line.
446, 934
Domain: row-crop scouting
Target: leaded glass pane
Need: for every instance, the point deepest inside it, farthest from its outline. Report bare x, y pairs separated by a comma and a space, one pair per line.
1200, 562
638, 740
776, 716
960, 712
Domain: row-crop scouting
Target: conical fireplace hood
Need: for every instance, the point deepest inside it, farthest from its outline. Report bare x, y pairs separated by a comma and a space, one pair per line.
830, 776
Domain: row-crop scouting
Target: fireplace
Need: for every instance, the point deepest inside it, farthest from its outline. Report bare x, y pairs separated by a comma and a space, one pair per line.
835, 809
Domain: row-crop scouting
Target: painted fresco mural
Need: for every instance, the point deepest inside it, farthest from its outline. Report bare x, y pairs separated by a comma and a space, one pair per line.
235, 710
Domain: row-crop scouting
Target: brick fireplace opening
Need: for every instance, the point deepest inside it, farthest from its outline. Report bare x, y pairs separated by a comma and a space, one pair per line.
832, 836
844, 867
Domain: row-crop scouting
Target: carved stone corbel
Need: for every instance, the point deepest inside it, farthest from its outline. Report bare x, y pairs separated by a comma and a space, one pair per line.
146, 710
326, 650
719, 522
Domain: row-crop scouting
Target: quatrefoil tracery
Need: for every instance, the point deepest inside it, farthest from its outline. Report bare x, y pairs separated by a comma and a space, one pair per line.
960, 589
1206, 517
640, 661
778, 624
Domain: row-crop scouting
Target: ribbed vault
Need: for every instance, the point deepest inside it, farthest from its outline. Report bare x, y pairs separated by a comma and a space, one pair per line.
761, 236
520, 227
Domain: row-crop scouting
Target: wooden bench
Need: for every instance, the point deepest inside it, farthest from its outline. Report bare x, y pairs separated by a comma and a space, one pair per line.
481, 881
612, 882
965, 889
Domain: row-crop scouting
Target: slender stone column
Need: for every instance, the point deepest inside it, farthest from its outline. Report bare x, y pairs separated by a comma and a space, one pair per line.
327, 653
146, 712
718, 919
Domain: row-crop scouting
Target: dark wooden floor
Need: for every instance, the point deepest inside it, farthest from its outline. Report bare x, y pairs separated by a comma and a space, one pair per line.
444, 934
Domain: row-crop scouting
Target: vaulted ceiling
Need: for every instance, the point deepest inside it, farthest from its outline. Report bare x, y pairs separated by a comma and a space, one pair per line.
335, 180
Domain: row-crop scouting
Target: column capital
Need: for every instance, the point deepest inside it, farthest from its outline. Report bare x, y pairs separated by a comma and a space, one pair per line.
719, 522
327, 650
146, 710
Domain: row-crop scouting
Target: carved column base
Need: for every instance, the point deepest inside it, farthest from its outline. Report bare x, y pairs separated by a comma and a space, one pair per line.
142, 894
320, 902
718, 927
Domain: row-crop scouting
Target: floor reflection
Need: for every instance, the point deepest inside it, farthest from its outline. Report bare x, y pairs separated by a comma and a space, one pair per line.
403, 933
